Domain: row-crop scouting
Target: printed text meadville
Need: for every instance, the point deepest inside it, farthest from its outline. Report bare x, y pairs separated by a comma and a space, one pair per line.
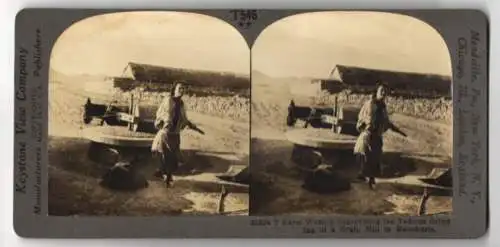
475, 65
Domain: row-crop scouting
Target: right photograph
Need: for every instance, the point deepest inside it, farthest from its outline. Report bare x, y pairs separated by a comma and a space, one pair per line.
351, 115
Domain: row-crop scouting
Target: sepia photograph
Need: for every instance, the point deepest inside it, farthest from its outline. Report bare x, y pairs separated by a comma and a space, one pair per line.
149, 115
351, 115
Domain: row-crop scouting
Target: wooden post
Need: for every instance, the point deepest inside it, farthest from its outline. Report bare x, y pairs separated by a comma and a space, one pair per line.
222, 199
423, 202
131, 109
335, 113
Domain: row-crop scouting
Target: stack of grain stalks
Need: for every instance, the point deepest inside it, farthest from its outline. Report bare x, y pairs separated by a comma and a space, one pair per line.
233, 107
434, 109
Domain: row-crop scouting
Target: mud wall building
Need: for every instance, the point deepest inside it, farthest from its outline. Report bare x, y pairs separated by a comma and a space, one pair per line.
364, 80
158, 78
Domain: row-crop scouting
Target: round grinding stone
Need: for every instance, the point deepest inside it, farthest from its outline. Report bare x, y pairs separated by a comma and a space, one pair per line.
118, 136
321, 138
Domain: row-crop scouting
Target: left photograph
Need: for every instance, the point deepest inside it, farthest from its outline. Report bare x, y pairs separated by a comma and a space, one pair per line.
149, 115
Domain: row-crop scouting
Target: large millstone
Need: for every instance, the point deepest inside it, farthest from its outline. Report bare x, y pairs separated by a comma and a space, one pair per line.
313, 147
321, 153
118, 136
110, 144
321, 139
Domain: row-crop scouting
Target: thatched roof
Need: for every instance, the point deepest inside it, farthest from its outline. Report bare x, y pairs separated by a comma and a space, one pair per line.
358, 78
158, 78
159, 74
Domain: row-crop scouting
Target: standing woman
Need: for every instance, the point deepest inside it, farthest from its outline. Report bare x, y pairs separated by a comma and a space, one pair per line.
171, 119
373, 122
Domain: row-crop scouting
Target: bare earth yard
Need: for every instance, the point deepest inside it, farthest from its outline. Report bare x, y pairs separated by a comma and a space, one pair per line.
74, 179
277, 189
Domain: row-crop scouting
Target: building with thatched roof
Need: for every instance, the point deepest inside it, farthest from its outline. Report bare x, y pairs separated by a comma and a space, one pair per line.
363, 80
153, 77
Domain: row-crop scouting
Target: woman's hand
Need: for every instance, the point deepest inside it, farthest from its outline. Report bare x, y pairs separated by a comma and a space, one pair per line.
397, 130
195, 128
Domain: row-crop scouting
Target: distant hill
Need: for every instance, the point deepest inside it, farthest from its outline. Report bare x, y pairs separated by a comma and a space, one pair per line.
60, 77
56, 76
260, 78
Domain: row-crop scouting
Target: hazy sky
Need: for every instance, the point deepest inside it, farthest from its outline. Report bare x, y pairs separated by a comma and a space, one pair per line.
311, 44
105, 44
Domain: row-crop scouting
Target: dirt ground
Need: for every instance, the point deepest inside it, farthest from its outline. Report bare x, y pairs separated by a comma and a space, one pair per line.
276, 188
74, 179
